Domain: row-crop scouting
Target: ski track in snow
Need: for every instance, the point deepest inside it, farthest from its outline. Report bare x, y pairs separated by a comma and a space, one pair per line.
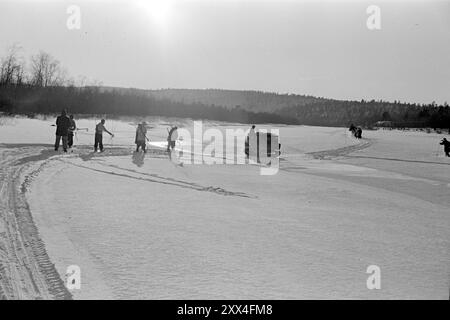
26, 271
340, 152
164, 180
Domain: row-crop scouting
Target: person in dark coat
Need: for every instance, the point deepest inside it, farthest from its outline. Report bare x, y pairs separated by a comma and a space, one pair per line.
62, 130
352, 128
358, 133
172, 138
141, 136
446, 145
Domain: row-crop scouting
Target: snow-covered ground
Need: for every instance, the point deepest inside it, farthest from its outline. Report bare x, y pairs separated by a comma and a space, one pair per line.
143, 227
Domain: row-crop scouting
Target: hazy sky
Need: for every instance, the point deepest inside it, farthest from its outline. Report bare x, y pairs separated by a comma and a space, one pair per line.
322, 48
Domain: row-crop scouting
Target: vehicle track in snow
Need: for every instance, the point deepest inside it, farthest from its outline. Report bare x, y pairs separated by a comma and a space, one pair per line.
340, 152
26, 271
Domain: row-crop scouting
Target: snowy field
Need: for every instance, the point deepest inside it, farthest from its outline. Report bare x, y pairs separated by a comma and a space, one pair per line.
142, 227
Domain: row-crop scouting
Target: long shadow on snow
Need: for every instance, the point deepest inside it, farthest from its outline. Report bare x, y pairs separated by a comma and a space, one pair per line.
173, 180
117, 152
169, 181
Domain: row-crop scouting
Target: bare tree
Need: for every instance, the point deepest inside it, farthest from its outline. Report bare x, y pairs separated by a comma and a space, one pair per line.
11, 67
46, 70
61, 77
19, 75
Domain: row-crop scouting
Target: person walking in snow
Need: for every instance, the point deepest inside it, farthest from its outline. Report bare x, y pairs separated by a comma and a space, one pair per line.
62, 130
141, 136
99, 128
358, 133
172, 138
446, 145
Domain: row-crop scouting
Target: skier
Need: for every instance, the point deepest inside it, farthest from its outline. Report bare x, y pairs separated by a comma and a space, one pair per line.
62, 130
99, 128
446, 145
72, 128
172, 138
141, 136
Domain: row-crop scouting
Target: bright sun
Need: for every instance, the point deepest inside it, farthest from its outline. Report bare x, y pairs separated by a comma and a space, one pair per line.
158, 10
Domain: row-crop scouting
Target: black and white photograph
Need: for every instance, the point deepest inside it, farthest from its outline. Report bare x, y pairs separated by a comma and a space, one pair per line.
224, 150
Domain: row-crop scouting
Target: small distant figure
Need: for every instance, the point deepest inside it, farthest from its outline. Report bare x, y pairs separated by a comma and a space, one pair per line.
356, 131
62, 130
141, 136
99, 128
446, 145
72, 128
172, 138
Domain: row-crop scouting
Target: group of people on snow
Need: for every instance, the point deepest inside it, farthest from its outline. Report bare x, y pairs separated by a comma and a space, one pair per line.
66, 127
356, 131
65, 131
141, 137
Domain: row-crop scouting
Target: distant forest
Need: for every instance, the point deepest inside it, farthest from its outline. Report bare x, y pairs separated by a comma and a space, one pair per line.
256, 101
44, 87
26, 99
370, 113
311, 110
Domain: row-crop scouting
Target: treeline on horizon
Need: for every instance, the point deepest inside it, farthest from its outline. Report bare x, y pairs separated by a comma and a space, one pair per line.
369, 113
30, 99
309, 110
43, 86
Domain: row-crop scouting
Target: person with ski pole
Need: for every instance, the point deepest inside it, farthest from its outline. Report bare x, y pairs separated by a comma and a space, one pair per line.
141, 136
99, 128
172, 138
